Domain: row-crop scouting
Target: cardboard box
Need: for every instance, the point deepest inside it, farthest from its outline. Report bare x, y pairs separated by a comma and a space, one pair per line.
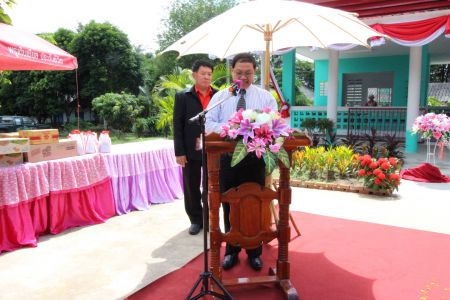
12, 159
62, 149
40, 136
9, 135
14, 145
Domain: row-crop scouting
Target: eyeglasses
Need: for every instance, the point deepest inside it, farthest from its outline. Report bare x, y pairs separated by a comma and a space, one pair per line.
242, 74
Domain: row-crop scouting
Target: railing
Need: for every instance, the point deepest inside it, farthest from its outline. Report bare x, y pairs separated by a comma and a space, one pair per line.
300, 113
385, 120
357, 120
438, 110
361, 120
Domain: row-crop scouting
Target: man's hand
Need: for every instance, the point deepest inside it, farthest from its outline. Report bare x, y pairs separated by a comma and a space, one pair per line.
181, 160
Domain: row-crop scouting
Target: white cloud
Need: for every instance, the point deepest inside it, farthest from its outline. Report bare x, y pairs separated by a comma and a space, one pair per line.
139, 19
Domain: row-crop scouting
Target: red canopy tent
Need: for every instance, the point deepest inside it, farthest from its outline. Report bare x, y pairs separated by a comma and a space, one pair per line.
25, 51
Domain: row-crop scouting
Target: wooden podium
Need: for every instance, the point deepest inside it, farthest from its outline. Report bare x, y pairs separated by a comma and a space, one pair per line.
250, 216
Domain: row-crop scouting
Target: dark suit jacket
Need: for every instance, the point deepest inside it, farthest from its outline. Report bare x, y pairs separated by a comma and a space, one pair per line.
187, 105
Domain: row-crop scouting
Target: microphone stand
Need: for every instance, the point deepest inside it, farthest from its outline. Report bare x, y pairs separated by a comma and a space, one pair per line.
206, 276
202, 114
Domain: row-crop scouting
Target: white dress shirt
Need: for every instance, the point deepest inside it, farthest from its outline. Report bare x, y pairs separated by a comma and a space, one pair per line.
255, 98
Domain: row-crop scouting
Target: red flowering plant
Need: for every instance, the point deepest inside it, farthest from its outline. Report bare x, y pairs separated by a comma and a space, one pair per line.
380, 175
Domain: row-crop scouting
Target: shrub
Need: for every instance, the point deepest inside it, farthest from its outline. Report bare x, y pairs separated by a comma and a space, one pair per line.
119, 110
379, 175
140, 126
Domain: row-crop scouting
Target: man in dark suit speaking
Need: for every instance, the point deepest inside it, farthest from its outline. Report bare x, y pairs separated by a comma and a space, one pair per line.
188, 104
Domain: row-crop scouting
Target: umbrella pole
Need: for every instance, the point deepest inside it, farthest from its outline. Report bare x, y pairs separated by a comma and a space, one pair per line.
268, 39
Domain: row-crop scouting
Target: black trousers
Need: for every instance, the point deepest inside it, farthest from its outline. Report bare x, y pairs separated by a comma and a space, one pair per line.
250, 169
192, 196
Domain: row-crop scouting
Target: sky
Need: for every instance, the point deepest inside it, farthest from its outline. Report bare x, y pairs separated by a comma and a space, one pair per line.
139, 19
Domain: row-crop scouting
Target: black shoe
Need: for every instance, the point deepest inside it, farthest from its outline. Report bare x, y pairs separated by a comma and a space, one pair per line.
194, 229
255, 263
230, 260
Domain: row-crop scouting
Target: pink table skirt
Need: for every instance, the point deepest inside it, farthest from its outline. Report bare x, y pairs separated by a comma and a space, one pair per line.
22, 223
52, 196
144, 174
91, 205
24, 192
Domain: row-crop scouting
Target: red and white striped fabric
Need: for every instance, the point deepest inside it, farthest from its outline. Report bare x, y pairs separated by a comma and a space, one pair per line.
416, 33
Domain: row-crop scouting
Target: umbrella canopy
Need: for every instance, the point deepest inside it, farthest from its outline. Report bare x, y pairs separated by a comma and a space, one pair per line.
25, 51
264, 25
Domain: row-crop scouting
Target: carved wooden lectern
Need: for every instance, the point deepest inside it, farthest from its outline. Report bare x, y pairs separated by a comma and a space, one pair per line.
250, 216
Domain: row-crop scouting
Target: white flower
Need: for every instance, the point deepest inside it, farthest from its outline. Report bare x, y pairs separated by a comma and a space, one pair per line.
264, 118
279, 140
274, 115
249, 114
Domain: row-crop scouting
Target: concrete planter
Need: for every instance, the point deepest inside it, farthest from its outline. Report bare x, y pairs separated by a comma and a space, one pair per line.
335, 186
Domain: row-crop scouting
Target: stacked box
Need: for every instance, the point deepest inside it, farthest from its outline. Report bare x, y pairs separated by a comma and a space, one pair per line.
43, 152
11, 159
9, 135
14, 145
40, 136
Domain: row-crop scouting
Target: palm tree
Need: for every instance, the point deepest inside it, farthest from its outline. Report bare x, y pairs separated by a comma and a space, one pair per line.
165, 118
164, 96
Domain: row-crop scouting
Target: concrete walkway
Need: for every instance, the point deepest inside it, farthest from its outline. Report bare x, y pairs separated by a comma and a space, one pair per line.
417, 205
115, 259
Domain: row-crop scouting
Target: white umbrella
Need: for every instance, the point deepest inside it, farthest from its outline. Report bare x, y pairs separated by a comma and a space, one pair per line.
265, 25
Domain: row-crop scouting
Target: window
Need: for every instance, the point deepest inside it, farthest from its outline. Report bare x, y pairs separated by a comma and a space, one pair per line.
356, 88
383, 96
354, 94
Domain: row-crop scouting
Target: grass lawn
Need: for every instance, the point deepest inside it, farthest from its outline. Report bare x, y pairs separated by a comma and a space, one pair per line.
130, 138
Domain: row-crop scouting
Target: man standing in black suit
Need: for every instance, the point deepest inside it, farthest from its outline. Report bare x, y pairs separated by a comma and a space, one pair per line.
188, 104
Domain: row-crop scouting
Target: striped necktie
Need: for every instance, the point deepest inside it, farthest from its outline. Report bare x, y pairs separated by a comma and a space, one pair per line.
241, 102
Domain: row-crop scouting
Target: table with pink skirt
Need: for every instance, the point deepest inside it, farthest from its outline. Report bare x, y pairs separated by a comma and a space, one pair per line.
52, 196
143, 174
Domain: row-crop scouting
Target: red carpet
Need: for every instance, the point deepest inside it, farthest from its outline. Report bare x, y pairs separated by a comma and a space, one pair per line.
337, 259
424, 173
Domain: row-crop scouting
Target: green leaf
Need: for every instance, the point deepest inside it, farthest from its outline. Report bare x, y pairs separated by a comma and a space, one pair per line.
239, 153
284, 157
269, 159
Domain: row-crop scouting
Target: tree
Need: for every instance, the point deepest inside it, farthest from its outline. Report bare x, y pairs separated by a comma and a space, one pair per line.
118, 110
106, 62
186, 15
4, 17
440, 73
183, 17
304, 70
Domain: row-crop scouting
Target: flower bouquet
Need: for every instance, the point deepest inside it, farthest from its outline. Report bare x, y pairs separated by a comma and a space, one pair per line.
262, 132
379, 175
433, 125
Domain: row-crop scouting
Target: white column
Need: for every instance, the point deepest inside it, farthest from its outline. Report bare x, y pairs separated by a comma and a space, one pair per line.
415, 72
412, 110
263, 69
333, 66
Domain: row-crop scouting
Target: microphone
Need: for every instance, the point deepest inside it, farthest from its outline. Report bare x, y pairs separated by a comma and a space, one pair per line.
234, 89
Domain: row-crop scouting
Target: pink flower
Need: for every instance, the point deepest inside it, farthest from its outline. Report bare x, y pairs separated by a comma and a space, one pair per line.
257, 146
237, 117
233, 133
264, 133
274, 148
437, 134
224, 132
267, 109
